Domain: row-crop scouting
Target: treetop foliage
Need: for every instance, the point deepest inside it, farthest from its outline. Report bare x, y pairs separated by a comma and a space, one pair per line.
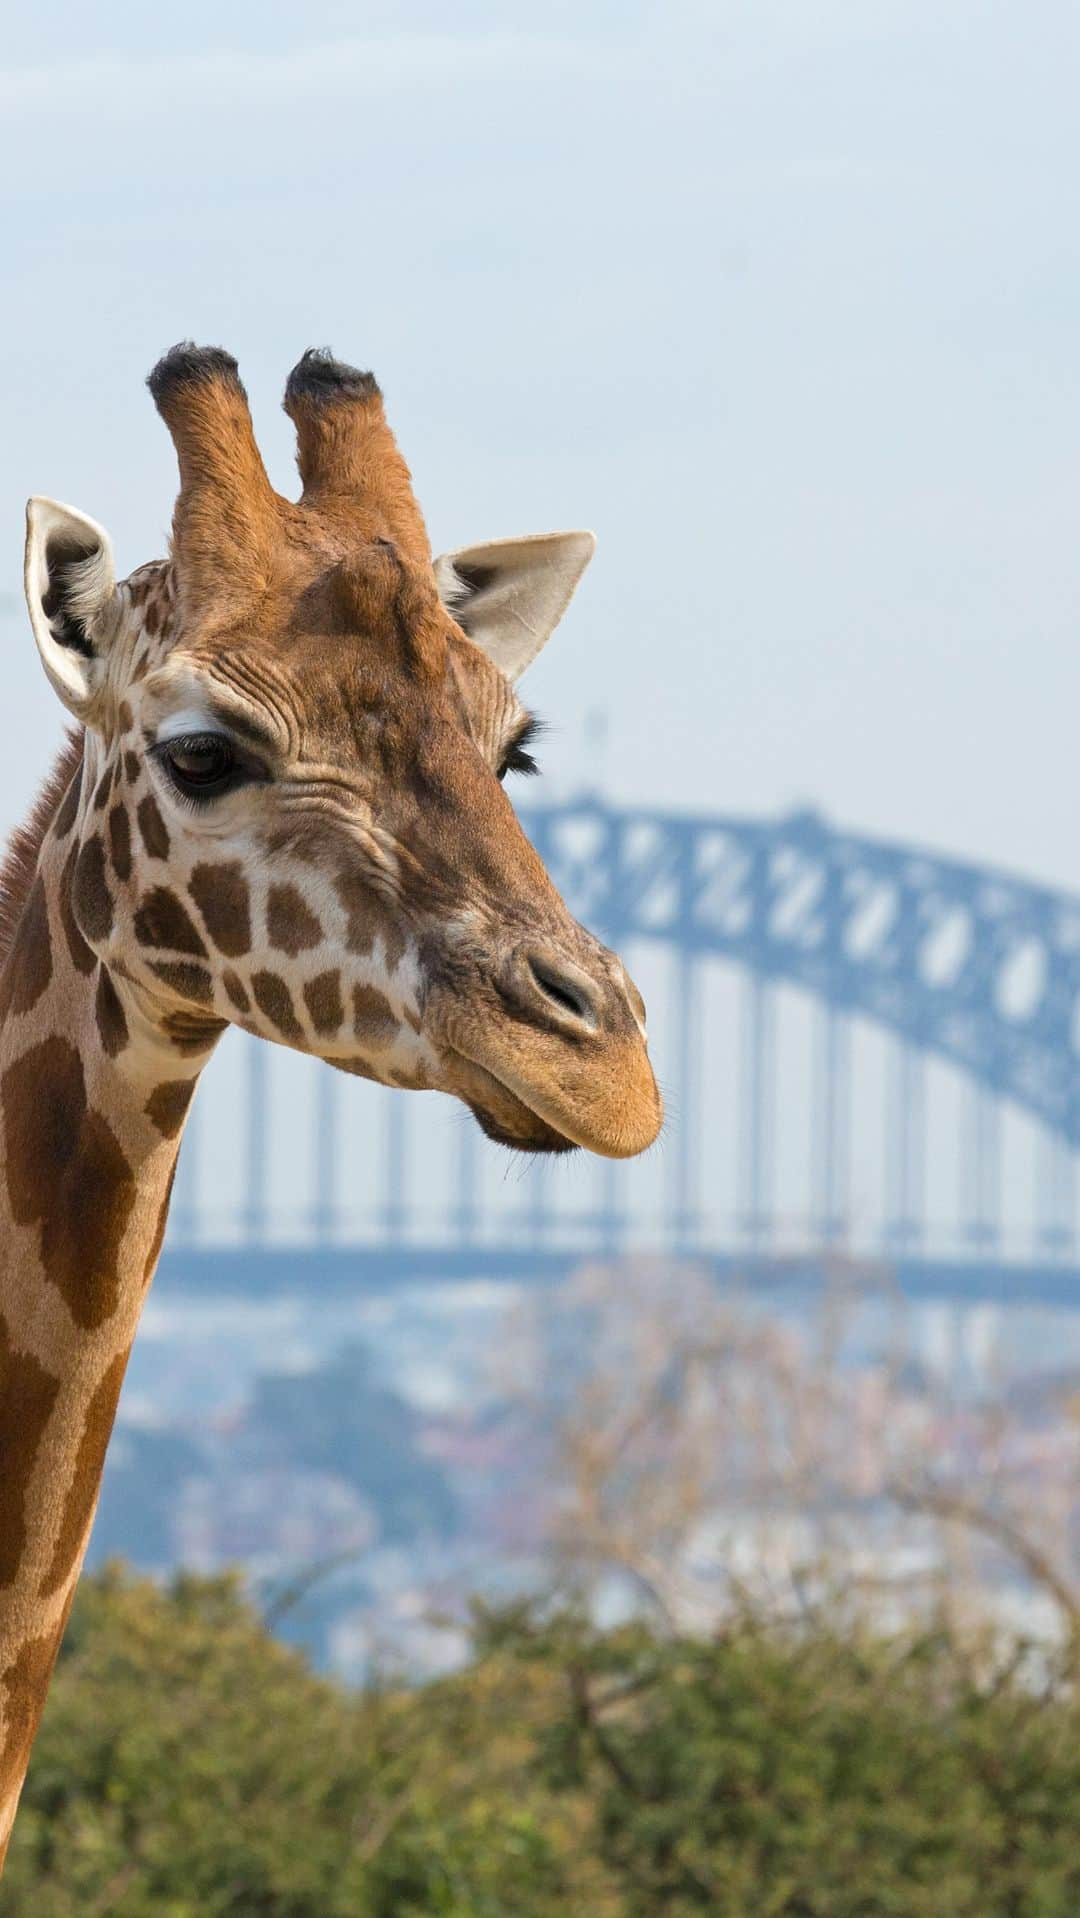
190, 1766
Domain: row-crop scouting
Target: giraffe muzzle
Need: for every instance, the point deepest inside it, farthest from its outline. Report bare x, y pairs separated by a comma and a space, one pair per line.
559, 1059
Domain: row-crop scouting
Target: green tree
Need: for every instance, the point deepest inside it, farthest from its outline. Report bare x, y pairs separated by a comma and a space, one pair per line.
190, 1765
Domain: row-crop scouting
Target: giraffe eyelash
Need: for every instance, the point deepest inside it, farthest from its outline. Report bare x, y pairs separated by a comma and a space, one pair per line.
516, 758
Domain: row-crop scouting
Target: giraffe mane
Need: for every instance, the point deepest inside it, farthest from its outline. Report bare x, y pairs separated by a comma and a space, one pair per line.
20, 858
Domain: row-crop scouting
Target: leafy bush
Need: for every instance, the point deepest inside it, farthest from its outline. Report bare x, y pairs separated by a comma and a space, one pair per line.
191, 1767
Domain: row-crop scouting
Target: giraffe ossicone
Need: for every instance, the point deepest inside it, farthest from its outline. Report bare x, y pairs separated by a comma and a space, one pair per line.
282, 808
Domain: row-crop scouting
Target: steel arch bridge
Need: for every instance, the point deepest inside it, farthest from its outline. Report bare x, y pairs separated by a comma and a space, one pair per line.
969, 965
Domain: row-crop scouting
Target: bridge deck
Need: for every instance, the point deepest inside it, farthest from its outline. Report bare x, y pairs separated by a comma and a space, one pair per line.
263, 1272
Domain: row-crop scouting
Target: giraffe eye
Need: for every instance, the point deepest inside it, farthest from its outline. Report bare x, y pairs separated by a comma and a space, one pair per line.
202, 765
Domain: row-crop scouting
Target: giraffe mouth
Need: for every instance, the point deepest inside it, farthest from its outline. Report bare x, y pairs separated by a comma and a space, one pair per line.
501, 1113
542, 1138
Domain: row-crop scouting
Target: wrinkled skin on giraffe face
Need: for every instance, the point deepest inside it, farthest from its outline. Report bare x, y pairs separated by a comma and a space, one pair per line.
290, 814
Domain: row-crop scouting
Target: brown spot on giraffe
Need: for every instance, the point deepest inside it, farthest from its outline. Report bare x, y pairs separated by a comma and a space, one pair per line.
104, 788
368, 919
67, 1175
120, 841
152, 827
151, 618
236, 990
90, 895
27, 1397
168, 1103
23, 1685
69, 805
290, 923
186, 980
223, 898
273, 998
82, 957
161, 920
132, 767
125, 717
83, 1488
28, 969
111, 1019
322, 997
373, 1018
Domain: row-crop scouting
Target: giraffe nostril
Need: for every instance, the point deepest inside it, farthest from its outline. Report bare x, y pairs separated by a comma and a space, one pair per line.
568, 992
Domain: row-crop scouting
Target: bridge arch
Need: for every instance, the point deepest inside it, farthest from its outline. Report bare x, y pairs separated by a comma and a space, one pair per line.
973, 964
968, 965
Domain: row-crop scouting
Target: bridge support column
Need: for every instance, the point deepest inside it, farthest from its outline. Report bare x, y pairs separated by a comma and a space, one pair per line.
981, 1196
610, 1223
905, 1152
255, 1181
831, 1135
538, 1219
465, 1207
325, 1169
1055, 1197
757, 1116
683, 1206
394, 1153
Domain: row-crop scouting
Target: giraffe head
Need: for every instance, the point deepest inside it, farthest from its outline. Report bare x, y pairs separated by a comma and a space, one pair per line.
291, 813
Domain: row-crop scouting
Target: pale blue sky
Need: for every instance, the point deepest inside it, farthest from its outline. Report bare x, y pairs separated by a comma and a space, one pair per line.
782, 298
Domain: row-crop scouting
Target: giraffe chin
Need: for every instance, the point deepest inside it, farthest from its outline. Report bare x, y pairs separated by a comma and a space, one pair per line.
539, 1138
501, 1115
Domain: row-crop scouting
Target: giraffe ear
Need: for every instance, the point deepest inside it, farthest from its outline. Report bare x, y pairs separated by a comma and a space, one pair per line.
71, 595
510, 594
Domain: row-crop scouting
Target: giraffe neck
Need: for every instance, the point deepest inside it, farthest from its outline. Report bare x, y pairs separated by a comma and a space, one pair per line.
93, 1095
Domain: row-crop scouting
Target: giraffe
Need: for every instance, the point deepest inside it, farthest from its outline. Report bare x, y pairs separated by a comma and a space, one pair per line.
281, 807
